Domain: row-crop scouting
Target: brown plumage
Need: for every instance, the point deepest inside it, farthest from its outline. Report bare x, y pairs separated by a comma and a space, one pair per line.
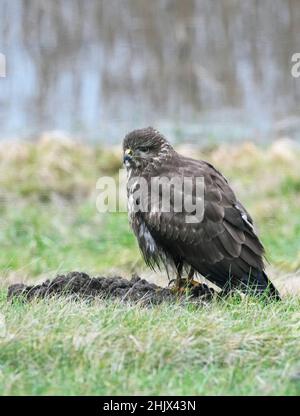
223, 246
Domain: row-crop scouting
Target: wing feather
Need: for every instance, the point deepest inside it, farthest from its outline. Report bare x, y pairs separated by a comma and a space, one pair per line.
223, 243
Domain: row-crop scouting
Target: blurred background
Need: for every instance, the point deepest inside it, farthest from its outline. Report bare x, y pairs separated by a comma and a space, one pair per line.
213, 76
198, 69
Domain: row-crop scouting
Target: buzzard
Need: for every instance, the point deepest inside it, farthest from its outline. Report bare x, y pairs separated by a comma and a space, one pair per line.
222, 245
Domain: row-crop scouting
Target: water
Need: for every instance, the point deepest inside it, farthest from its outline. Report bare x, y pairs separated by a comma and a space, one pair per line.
197, 69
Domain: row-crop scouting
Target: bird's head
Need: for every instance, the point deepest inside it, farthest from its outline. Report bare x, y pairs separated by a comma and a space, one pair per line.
142, 146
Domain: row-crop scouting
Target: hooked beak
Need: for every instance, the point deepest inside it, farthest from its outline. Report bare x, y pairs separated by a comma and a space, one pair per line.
127, 156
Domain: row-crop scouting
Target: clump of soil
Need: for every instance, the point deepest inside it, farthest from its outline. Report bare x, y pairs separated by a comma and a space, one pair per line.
81, 284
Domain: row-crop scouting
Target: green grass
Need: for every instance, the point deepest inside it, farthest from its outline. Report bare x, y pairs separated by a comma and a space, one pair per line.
42, 237
233, 347
38, 238
49, 224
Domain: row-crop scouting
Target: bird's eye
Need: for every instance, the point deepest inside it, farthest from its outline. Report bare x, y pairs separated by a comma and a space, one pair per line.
145, 149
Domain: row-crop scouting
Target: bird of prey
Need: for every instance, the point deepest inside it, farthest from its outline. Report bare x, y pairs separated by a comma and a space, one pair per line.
222, 247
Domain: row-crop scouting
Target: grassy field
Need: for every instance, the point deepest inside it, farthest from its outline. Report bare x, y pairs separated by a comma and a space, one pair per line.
49, 224
235, 347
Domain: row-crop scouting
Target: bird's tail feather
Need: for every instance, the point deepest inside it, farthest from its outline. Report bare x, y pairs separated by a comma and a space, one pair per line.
262, 286
258, 283
271, 289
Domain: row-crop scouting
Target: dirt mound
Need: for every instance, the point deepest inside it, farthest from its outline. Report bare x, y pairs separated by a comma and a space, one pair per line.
81, 284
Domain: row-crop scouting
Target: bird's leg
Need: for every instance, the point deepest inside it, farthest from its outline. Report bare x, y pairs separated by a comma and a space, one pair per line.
182, 285
190, 281
178, 277
190, 276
